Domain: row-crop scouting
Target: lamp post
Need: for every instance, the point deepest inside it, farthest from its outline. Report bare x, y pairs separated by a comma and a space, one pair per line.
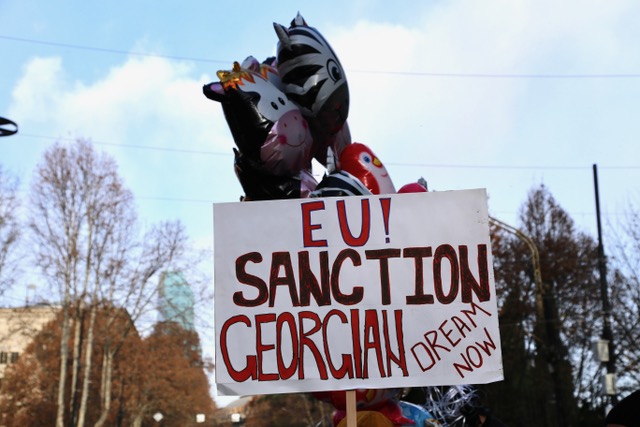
535, 261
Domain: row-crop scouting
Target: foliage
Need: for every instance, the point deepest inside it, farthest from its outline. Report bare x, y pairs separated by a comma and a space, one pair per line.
546, 328
163, 372
167, 375
30, 387
624, 296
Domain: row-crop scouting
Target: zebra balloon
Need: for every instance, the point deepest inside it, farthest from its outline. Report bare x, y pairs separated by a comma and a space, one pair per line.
313, 78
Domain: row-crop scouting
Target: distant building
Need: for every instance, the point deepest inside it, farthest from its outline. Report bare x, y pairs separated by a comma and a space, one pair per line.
18, 327
176, 301
234, 413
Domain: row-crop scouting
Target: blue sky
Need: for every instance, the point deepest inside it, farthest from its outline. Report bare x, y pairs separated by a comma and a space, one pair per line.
496, 94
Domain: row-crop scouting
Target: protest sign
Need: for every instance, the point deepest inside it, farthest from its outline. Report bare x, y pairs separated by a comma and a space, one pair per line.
358, 292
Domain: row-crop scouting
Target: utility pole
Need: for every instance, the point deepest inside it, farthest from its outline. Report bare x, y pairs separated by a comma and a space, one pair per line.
607, 333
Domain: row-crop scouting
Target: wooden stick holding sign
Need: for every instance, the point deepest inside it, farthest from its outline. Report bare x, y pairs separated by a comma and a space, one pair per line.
352, 416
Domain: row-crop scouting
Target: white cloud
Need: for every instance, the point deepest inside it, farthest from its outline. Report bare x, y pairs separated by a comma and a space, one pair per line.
38, 92
474, 120
498, 121
150, 97
422, 113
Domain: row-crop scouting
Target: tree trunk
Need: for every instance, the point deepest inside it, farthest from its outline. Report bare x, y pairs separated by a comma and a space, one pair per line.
75, 367
87, 368
106, 382
137, 421
64, 356
307, 409
103, 375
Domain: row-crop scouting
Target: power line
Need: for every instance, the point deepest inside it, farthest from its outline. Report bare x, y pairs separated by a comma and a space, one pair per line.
504, 75
174, 199
142, 147
364, 71
116, 51
533, 167
425, 165
399, 164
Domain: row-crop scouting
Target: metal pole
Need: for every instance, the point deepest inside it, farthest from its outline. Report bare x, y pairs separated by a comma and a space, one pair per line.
607, 333
535, 260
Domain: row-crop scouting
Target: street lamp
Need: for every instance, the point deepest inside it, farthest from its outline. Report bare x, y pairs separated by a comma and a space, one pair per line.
535, 261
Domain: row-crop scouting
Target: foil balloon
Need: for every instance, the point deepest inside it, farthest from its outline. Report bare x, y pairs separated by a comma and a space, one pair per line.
314, 79
418, 415
336, 143
419, 186
267, 69
448, 404
312, 74
367, 418
339, 184
365, 398
260, 185
266, 126
359, 161
390, 409
382, 401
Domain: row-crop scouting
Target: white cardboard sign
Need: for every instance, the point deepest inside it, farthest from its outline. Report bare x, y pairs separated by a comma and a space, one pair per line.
358, 292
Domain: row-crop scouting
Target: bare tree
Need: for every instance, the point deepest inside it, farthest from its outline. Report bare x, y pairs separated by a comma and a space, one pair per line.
89, 247
9, 230
624, 286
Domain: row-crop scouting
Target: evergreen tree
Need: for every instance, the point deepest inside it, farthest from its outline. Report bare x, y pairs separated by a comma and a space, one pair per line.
546, 327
